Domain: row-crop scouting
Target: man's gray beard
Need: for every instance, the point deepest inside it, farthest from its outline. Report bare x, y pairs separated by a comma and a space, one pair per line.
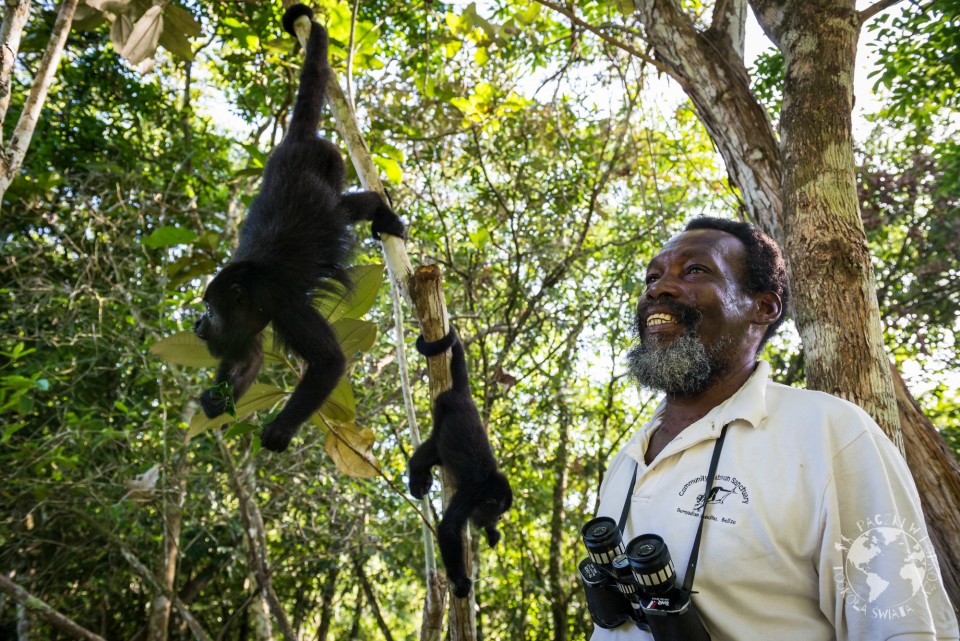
683, 368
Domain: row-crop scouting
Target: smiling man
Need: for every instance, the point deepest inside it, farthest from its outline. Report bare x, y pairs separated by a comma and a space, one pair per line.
812, 529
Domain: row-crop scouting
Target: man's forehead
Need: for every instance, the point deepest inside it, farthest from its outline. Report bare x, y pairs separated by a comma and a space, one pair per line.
711, 243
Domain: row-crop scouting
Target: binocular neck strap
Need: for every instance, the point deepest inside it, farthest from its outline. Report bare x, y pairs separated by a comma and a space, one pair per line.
695, 552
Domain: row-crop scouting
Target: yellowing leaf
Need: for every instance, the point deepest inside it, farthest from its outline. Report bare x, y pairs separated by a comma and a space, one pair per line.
350, 448
142, 42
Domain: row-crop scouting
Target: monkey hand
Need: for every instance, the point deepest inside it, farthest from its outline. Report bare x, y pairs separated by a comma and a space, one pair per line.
461, 586
214, 402
420, 483
387, 222
276, 436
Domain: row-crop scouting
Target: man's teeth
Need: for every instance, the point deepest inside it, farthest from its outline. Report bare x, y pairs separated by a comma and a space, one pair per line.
659, 319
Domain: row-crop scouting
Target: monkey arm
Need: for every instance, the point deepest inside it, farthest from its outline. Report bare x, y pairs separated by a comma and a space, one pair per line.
305, 331
369, 205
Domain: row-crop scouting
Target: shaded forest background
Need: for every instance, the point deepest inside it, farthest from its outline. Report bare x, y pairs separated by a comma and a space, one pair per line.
539, 166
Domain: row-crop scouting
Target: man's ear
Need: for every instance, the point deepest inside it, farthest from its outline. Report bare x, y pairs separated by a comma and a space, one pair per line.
767, 308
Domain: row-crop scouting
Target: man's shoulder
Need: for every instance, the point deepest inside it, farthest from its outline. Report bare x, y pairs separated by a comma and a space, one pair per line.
816, 409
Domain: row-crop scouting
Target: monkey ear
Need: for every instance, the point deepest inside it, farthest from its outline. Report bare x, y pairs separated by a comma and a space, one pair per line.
239, 294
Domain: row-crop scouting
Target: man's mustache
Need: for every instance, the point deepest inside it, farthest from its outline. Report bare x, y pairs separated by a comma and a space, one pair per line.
686, 315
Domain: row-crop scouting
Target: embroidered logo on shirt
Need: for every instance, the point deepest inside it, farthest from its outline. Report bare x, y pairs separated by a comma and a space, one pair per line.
887, 563
725, 491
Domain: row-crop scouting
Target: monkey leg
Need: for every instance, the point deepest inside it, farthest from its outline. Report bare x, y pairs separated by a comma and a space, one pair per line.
307, 333
421, 465
450, 540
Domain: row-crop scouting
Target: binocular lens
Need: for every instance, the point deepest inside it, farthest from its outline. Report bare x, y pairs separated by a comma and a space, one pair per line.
601, 537
651, 563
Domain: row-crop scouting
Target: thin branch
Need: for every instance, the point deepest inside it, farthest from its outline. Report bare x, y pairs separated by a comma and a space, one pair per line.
254, 531
620, 44
39, 608
874, 9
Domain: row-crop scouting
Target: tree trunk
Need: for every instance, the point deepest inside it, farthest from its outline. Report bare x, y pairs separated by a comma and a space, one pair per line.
809, 204
327, 594
831, 278
556, 572
158, 626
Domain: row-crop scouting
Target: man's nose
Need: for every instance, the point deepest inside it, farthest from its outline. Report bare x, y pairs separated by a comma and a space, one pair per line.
665, 285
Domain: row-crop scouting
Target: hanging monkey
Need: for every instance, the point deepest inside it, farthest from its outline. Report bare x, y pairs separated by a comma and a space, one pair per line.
295, 241
460, 444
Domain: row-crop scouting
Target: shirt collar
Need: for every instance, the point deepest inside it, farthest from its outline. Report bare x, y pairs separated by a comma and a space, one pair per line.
748, 404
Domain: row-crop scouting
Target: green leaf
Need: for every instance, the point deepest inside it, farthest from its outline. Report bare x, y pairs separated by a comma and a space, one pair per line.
168, 236
183, 348
258, 397
340, 405
356, 336
391, 168
355, 303
239, 429
182, 20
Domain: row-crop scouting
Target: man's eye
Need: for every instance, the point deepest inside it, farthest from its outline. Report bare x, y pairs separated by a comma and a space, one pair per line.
650, 279
696, 268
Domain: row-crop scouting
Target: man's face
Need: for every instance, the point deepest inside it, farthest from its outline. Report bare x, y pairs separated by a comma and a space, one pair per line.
695, 321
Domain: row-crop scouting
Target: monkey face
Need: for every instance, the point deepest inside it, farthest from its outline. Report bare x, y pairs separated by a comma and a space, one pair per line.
233, 318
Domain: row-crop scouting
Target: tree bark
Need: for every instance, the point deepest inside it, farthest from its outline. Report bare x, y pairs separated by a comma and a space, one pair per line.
831, 277
15, 15
808, 203
158, 625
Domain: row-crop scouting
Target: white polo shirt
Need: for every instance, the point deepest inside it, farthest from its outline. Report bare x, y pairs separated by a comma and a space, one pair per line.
813, 529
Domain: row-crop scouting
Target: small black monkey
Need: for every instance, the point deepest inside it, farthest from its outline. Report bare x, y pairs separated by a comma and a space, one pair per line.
296, 240
459, 443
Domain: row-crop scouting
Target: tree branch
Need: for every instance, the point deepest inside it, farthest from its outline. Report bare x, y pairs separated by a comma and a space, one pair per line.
256, 551
874, 9
15, 15
12, 156
620, 44
39, 608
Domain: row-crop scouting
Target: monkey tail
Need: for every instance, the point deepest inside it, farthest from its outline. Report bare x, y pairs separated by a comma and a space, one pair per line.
458, 360
313, 77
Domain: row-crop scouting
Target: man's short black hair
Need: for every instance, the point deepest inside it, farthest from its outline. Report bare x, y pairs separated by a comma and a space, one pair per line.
766, 270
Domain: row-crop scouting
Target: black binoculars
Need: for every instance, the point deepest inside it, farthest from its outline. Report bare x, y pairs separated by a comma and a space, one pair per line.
637, 583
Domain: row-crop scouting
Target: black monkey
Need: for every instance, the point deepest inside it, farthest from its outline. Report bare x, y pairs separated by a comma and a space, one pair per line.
459, 443
295, 241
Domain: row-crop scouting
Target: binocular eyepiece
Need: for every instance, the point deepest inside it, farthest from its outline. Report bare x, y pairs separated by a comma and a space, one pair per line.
637, 583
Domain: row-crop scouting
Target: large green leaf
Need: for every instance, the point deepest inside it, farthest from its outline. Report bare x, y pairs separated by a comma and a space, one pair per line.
183, 348
366, 281
356, 336
340, 406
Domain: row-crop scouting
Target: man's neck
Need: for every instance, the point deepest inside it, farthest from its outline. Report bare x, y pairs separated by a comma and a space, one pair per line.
679, 413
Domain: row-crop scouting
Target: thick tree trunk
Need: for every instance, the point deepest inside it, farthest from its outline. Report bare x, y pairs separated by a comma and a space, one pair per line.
831, 278
814, 212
